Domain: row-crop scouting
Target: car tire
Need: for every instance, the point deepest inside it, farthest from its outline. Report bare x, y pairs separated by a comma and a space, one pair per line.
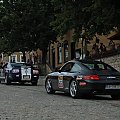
115, 97
7, 80
73, 89
34, 83
48, 87
21, 83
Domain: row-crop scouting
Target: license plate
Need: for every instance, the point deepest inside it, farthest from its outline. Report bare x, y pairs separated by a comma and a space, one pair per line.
112, 87
26, 77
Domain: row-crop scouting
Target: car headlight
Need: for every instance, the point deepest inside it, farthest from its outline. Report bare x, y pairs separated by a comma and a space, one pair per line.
35, 71
15, 71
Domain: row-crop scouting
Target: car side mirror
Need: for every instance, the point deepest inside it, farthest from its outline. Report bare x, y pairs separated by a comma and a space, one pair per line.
57, 69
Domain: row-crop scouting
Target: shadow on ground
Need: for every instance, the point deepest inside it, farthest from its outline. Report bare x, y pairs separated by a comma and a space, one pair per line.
87, 97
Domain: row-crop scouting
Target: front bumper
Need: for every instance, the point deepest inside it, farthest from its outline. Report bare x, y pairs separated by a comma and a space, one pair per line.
18, 78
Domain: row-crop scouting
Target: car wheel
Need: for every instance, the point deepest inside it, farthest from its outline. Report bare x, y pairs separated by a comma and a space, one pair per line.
48, 87
73, 89
115, 97
21, 83
7, 80
34, 83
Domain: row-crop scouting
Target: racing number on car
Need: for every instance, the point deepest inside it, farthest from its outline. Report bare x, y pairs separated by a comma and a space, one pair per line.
60, 82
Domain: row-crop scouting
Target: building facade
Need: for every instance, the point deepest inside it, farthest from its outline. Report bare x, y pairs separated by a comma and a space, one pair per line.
66, 49
34, 56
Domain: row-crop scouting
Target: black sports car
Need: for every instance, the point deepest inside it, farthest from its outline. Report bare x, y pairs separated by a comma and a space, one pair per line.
20, 72
83, 77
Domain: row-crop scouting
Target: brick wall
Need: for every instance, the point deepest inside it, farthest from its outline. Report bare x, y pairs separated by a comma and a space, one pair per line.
114, 61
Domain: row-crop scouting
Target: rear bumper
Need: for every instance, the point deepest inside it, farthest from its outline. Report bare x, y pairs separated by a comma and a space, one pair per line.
100, 92
107, 92
98, 89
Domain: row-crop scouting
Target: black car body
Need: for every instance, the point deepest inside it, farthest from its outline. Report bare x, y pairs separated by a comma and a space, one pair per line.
85, 77
20, 72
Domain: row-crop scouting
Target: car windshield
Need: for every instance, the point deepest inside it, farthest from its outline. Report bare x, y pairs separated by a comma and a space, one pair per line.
17, 64
98, 66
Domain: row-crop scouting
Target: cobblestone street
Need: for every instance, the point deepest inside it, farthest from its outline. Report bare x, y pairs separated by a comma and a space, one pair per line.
33, 103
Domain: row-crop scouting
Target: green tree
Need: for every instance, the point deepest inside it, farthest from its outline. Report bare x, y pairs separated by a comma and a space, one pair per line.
95, 16
24, 25
86, 17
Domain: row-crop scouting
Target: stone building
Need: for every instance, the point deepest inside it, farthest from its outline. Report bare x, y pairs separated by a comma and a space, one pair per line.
35, 56
65, 49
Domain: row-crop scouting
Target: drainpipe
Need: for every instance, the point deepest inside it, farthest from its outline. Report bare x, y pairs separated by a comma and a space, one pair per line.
82, 47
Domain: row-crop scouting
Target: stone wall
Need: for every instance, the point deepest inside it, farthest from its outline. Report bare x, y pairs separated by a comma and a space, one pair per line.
114, 61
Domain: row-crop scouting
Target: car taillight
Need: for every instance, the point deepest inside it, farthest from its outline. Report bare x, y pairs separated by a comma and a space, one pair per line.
35, 71
91, 77
15, 71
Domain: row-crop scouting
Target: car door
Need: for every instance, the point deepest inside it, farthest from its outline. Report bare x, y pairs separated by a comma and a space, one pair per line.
64, 76
71, 75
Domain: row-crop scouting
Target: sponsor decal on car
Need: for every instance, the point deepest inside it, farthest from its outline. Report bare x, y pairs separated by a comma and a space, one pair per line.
60, 82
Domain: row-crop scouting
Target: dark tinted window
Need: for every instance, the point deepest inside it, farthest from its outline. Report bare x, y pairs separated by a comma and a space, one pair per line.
67, 67
20, 64
98, 66
17, 64
76, 68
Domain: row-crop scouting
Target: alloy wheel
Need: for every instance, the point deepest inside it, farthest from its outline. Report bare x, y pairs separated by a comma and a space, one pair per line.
48, 87
73, 88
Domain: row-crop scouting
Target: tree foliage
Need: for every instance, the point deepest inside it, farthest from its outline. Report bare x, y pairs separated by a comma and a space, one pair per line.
31, 24
25, 25
94, 16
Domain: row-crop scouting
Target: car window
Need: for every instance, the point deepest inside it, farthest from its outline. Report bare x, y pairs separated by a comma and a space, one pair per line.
90, 66
94, 66
98, 66
67, 67
108, 67
76, 68
17, 64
